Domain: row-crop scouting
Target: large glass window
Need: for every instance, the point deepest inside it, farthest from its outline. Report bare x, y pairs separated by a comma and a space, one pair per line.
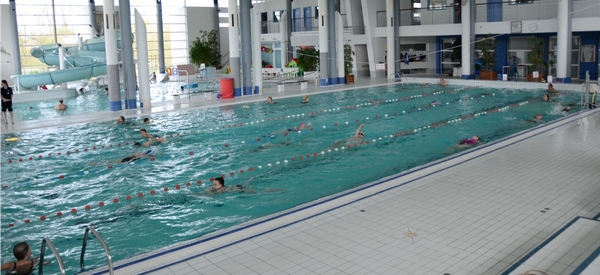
515, 2
437, 5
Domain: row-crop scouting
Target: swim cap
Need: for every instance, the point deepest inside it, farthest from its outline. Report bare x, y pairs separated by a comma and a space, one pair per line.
302, 125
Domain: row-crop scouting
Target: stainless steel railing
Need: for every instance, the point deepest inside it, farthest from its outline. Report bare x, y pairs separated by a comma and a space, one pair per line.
102, 242
61, 265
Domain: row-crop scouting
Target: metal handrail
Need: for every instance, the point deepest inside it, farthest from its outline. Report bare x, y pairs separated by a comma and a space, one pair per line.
102, 242
61, 265
187, 74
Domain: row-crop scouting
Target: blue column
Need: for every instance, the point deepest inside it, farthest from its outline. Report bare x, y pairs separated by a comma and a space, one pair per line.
161, 40
245, 24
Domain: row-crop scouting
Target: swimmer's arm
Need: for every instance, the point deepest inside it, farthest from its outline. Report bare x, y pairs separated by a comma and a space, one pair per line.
8, 265
358, 129
560, 105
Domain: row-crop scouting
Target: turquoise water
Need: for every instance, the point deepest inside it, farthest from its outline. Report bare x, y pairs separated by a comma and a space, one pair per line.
93, 100
139, 225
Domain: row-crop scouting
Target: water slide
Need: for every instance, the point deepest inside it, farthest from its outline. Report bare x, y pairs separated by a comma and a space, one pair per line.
83, 62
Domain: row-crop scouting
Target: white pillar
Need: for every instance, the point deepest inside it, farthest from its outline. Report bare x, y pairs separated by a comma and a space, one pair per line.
391, 53
339, 37
142, 58
256, 57
283, 29
323, 43
563, 41
80, 43
61, 57
234, 46
112, 59
467, 39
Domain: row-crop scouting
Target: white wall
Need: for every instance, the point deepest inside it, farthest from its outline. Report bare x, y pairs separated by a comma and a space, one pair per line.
6, 66
202, 18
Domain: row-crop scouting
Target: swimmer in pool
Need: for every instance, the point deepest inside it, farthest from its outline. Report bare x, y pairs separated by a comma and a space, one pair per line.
551, 89
536, 119
270, 100
432, 104
152, 139
301, 127
564, 109
121, 120
424, 84
147, 120
137, 156
358, 136
219, 187
546, 98
305, 100
465, 143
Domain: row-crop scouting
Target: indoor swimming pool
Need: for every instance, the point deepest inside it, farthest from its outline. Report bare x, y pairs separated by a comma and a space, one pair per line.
96, 100
288, 152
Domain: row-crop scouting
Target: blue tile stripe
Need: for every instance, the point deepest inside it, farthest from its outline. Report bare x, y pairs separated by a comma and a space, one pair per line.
555, 124
587, 262
535, 250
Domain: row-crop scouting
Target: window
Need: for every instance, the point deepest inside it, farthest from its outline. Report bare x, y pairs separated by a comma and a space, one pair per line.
516, 2
277, 15
437, 5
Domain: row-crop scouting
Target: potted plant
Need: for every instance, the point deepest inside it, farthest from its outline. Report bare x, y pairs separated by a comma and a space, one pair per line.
348, 63
308, 61
487, 46
536, 58
205, 49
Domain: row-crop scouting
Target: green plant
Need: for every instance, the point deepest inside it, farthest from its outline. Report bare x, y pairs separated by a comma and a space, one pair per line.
536, 55
205, 49
487, 46
348, 60
308, 58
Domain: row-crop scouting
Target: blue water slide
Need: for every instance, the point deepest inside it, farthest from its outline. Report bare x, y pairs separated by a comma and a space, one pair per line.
85, 63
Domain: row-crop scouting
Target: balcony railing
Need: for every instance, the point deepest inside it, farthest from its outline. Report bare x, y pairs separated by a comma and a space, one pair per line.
306, 24
491, 12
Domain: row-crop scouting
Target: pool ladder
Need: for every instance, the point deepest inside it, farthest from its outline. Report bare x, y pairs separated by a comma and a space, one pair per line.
399, 75
61, 265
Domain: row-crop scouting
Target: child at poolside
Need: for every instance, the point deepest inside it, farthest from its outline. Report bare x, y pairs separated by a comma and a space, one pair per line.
24, 264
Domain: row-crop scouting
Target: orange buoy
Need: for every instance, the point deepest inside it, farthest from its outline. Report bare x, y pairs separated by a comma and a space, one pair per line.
101, 203
59, 214
140, 195
199, 181
43, 218
88, 207
177, 186
115, 200
73, 210
166, 189
27, 221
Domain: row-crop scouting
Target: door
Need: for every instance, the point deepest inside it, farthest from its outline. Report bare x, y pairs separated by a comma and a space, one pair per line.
308, 19
457, 11
297, 19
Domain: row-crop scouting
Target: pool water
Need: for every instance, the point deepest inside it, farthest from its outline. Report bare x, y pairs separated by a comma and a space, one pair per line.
95, 100
225, 140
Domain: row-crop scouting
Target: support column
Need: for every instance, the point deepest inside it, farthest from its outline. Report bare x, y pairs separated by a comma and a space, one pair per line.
391, 45
217, 28
112, 60
93, 30
234, 47
323, 43
397, 37
284, 33
15, 37
331, 39
289, 50
161, 40
127, 53
339, 37
245, 23
61, 57
468, 38
256, 57
563, 41
142, 57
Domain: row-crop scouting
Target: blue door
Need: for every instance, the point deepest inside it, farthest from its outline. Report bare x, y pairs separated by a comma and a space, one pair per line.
297, 20
308, 19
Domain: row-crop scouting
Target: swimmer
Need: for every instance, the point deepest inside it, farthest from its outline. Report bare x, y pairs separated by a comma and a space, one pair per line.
137, 156
564, 109
219, 187
551, 89
81, 91
424, 84
60, 106
24, 264
465, 143
106, 90
121, 120
536, 119
305, 100
432, 104
546, 98
358, 136
443, 82
270, 100
147, 120
152, 139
